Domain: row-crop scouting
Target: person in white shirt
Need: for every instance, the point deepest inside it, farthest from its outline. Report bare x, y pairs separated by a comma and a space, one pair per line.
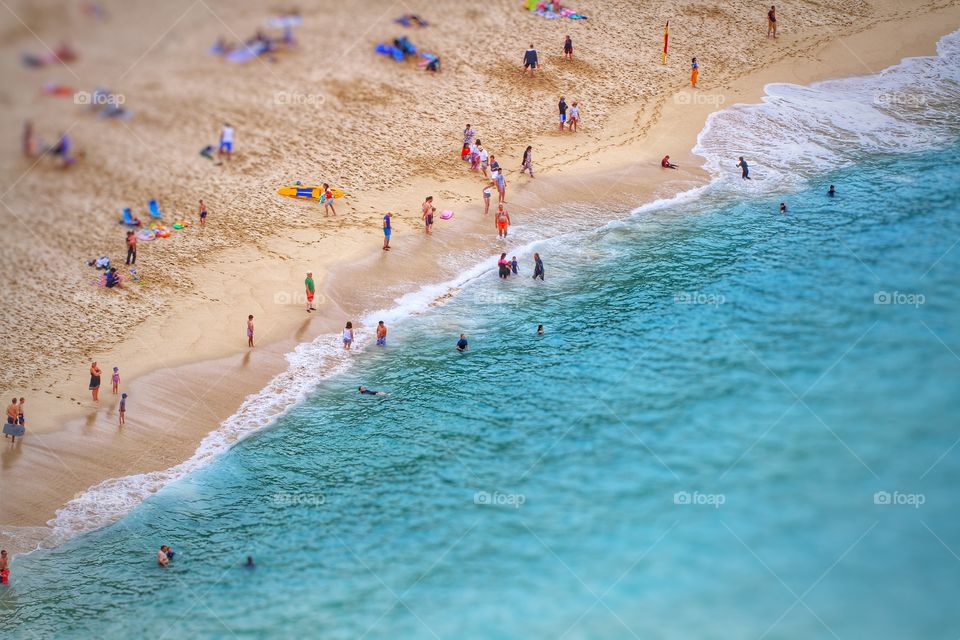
484, 156
574, 116
226, 141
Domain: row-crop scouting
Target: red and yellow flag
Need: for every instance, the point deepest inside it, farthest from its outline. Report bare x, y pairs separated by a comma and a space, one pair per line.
666, 40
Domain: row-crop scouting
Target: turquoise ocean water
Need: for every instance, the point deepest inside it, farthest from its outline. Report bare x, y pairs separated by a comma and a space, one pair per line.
737, 424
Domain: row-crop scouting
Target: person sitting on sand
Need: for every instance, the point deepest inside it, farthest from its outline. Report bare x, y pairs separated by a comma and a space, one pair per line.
666, 164
530, 59
112, 279
371, 392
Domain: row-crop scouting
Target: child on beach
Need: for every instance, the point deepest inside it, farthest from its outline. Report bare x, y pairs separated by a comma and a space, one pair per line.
694, 72
381, 334
310, 288
122, 410
515, 266
328, 200
528, 160
115, 380
348, 336
487, 192
574, 116
250, 331
568, 48
203, 214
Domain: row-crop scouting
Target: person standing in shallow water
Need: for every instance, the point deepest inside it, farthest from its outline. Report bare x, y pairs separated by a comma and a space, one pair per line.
537, 267
348, 336
744, 169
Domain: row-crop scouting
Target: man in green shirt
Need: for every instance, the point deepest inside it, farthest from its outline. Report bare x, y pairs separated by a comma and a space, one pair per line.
311, 288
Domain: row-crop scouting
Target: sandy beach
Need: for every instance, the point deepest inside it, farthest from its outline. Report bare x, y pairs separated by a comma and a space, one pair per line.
328, 111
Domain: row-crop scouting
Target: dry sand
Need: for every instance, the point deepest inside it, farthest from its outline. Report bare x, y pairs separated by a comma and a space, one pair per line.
329, 111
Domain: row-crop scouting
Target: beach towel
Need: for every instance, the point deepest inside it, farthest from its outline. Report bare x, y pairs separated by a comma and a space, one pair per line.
389, 50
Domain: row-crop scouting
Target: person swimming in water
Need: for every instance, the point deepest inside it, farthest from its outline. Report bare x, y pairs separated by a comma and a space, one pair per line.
783, 207
371, 392
832, 191
462, 344
539, 329
249, 564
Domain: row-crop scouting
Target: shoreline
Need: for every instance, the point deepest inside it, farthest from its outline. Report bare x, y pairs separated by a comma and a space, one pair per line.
69, 457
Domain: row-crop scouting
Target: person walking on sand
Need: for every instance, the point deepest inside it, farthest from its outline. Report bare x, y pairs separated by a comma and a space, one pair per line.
530, 60
694, 73
501, 183
487, 192
387, 230
503, 222
468, 134
122, 409
311, 289
537, 267
250, 331
483, 157
574, 118
348, 336
131, 247
115, 380
527, 162
426, 210
381, 334
772, 22
328, 200
95, 381
21, 418
203, 214
226, 141
568, 48
562, 106
744, 169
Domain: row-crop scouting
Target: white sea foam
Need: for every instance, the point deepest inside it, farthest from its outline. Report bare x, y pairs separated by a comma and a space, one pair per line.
800, 132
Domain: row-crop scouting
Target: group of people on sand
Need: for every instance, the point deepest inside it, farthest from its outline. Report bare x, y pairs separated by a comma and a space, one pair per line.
15, 423
95, 374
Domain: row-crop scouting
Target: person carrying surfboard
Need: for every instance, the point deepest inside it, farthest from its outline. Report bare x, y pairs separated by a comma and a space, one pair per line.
327, 199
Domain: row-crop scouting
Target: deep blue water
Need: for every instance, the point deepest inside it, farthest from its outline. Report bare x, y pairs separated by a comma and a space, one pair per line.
715, 351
